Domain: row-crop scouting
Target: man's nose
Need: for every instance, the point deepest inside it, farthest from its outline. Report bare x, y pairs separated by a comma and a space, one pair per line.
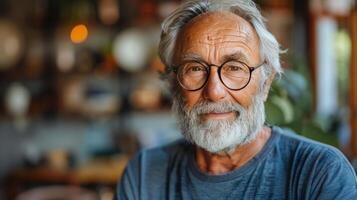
214, 89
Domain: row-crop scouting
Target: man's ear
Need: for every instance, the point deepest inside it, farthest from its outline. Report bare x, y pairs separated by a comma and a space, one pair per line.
267, 85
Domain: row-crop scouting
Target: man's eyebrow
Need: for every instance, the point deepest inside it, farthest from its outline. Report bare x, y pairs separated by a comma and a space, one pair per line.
239, 56
191, 57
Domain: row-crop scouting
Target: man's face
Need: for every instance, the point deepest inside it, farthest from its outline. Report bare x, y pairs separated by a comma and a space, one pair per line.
215, 113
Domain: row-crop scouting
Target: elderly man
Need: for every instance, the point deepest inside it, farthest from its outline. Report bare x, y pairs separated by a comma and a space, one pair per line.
220, 61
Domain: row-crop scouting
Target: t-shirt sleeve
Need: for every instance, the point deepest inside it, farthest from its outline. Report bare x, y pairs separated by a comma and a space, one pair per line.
127, 187
336, 180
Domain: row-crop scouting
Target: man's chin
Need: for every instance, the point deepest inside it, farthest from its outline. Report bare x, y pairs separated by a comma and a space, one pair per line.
216, 142
219, 141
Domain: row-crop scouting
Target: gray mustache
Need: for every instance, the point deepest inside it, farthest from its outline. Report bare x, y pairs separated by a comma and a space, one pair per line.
208, 107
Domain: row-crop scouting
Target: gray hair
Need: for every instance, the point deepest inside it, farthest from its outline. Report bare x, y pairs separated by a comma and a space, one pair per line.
269, 47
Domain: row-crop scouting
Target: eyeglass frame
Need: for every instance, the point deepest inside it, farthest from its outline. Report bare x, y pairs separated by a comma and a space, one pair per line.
208, 69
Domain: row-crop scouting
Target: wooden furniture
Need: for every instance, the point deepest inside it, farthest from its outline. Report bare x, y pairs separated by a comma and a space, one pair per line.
97, 172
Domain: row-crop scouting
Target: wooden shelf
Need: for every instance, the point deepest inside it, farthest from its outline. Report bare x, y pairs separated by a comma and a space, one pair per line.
97, 172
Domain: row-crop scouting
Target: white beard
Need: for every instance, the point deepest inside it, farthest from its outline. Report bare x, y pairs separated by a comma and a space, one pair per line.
220, 135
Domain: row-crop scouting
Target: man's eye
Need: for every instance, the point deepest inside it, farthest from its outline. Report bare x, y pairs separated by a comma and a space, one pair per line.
193, 68
234, 68
196, 68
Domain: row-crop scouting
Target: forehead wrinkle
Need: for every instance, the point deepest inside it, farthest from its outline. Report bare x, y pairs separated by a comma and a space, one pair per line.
241, 30
222, 39
242, 38
239, 43
239, 54
224, 42
209, 34
222, 34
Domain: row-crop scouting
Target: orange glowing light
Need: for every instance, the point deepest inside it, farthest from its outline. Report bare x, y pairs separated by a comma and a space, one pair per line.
79, 33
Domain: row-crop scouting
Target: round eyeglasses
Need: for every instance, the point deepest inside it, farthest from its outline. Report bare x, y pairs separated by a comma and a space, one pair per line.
235, 75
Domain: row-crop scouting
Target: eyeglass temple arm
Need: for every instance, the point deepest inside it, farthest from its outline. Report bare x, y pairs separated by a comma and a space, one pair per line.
256, 67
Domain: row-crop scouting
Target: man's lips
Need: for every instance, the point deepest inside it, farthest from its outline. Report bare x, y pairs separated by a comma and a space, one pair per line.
218, 115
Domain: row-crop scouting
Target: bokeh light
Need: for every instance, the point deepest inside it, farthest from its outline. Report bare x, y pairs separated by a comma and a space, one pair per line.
79, 34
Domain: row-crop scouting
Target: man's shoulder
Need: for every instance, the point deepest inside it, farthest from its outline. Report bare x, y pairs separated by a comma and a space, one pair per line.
322, 166
147, 172
308, 149
295, 140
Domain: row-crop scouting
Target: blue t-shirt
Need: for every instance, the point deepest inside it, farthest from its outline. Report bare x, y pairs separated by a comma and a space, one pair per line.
288, 167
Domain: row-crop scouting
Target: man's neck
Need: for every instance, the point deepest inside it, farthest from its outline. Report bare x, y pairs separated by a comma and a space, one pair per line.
224, 162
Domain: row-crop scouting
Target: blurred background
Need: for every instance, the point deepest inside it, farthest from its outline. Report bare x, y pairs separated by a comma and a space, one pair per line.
80, 91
